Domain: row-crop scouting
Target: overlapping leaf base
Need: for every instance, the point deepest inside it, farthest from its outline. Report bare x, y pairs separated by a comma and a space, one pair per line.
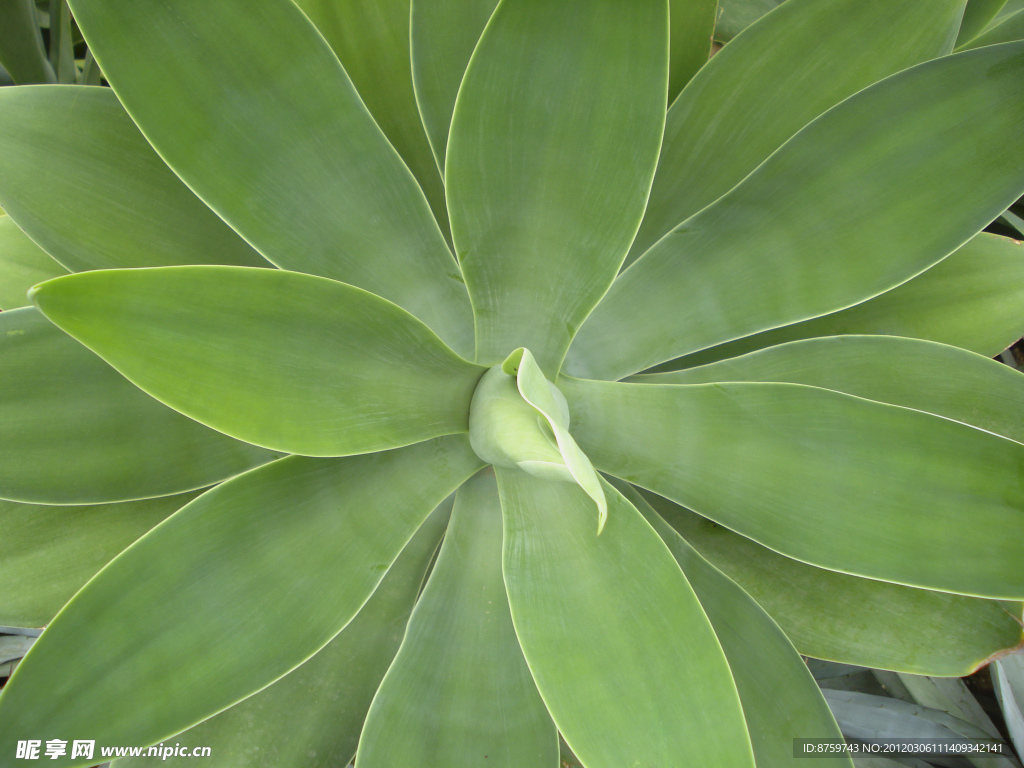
342, 355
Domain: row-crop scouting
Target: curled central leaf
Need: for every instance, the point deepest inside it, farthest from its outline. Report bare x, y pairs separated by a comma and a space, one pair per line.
519, 419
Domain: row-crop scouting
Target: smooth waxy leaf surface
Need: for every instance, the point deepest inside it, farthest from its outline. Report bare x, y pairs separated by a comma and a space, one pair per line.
845, 618
737, 15
313, 715
618, 644
372, 42
782, 74
780, 699
553, 146
691, 27
444, 34
850, 229
922, 375
74, 431
459, 691
970, 299
833, 480
977, 16
280, 145
290, 361
1003, 30
80, 179
21, 46
48, 553
22, 265
189, 619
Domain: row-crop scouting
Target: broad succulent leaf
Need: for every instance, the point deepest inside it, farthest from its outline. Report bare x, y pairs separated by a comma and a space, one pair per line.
74, 431
923, 375
79, 178
21, 46
313, 715
970, 299
245, 551
460, 662
22, 265
780, 699
827, 173
830, 615
289, 361
786, 465
1003, 29
343, 206
48, 553
751, 98
749, 269
615, 699
553, 146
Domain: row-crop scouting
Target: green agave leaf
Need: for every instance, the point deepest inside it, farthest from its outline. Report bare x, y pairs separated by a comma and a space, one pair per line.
795, 64
21, 46
187, 621
977, 16
372, 41
781, 702
281, 359
1008, 679
280, 145
832, 480
79, 178
935, 378
619, 646
691, 28
862, 715
970, 299
737, 15
859, 621
22, 265
440, 53
738, 267
1005, 30
74, 431
312, 716
459, 692
48, 553
553, 146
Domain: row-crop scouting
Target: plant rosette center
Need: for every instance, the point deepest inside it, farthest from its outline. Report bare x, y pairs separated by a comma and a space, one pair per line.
518, 419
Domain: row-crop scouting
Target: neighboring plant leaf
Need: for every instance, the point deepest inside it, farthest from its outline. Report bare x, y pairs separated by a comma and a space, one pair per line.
851, 230
289, 361
1005, 30
62, 52
691, 28
48, 553
74, 431
858, 621
970, 299
460, 662
758, 92
949, 695
280, 145
553, 145
780, 699
155, 644
820, 476
737, 15
312, 716
440, 53
1008, 679
863, 716
79, 178
14, 647
618, 643
372, 41
21, 45
22, 265
923, 375
977, 17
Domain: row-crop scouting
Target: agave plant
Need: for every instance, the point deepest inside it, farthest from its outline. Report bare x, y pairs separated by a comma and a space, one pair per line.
365, 299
